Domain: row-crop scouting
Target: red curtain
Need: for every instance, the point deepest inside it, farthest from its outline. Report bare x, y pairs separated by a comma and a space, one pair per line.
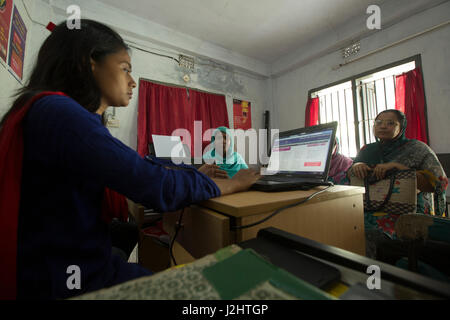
163, 109
312, 112
209, 108
410, 99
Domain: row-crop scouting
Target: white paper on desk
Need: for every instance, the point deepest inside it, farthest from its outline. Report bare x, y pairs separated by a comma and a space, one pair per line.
168, 146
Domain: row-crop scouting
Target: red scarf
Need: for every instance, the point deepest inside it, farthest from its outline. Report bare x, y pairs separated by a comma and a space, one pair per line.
11, 157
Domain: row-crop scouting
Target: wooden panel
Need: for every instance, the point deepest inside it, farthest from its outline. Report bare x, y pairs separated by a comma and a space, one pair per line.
137, 210
203, 231
254, 202
181, 255
338, 222
152, 254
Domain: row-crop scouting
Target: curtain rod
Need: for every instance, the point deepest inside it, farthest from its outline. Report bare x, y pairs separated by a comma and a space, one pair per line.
180, 86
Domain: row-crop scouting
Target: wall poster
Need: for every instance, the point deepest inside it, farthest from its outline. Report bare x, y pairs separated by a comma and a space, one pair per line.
242, 115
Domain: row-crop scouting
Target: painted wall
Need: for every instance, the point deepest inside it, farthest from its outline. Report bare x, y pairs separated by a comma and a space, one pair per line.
233, 81
285, 93
291, 88
208, 78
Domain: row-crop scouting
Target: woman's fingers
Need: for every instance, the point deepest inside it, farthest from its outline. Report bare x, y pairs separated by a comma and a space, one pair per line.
245, 178
221, 174
380, 171
361, 170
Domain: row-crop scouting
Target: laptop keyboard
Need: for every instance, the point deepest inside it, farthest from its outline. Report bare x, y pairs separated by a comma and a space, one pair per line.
281, 179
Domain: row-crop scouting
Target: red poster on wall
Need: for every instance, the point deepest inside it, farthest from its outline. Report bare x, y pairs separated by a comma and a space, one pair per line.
5, 22
17, 44
242, 115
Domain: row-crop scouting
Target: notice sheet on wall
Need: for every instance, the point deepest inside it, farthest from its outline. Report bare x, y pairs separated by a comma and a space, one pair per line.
5, 22
242, 115
17, 44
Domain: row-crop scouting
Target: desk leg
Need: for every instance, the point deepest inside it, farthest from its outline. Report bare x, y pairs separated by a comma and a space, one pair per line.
202, 231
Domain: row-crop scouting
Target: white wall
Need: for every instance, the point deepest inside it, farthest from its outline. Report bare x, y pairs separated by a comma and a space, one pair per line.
233, 79
291, 88
244, 78
211, 79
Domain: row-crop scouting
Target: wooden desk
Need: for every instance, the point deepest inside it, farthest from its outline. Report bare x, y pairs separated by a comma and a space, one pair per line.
335, 217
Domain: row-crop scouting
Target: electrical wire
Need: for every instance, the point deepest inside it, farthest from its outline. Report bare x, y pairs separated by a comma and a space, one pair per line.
157, 54
212, 64
29, 16
282, 209
177, 228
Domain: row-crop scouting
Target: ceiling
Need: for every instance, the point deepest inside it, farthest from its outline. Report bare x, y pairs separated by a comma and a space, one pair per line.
261, 29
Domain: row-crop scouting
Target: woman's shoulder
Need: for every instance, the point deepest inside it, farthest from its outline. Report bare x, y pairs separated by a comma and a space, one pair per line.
58, 113
57, 102
417, 145
368, 147
61, 107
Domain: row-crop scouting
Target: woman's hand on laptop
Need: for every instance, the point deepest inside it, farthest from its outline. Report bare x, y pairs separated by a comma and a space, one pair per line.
213, 171
241, 181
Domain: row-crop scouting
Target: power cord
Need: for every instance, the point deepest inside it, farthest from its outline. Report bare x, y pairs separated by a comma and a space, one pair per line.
151, 52
177, 228
282, 209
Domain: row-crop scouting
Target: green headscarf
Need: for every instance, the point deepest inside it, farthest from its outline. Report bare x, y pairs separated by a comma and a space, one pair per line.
232, 161
378, 152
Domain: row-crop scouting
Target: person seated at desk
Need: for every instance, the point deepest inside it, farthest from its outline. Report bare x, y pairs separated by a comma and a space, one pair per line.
223, 154
393, 150
57, 159
339, 166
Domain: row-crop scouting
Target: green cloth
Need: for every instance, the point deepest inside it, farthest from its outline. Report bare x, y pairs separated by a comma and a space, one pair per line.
232, 162
187, 283
234, 276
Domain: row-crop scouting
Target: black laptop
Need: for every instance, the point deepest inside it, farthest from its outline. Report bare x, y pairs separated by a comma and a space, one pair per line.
300, 159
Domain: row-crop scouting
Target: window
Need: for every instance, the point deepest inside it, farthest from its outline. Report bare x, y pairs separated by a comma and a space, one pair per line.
355, 102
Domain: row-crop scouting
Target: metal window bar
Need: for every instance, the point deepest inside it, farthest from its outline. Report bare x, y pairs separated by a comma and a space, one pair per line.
360, 120
346, 116
375, 97
351, 134
393, 81
367, 113
330, 108
339, 115
370, 103
356, 110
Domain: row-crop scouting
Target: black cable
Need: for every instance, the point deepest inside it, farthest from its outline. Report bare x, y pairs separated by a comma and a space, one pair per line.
282, 209
157, 54
177, 228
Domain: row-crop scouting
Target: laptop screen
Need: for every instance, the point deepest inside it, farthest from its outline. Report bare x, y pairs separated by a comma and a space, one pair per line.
168, 146
303, 151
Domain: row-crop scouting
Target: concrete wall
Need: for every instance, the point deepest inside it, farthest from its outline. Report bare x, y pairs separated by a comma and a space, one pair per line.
291, 87
217, 70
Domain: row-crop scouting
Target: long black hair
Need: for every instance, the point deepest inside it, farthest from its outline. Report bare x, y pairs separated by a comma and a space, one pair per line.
64, 63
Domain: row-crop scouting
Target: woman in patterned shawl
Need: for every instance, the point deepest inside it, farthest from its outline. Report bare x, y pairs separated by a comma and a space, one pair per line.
394, 151
339, 166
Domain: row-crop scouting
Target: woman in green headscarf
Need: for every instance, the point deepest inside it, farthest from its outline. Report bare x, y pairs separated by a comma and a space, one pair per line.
223, 154
393, 150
